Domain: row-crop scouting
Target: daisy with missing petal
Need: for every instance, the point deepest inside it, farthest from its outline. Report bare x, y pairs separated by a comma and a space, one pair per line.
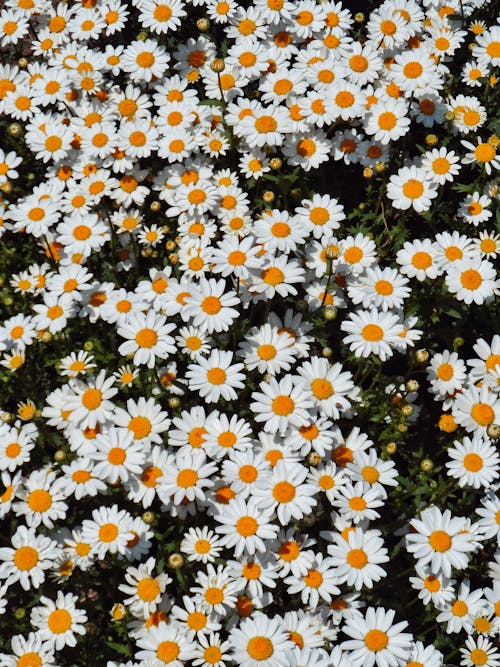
375, 640
446, 373
216, 590
147, 338
357, 557
476, 408
484, 154
475, 462
319, 582
472, 280
261, 641
371, 332
144, 589
411, 187
438, 539
215, 376
245, 525
58, 621
435, 588
474, 209
280, 404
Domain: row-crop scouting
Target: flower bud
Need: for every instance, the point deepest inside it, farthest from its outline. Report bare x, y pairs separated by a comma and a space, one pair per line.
60, 456
421, 356
391, 448
327, 352
412, 385
427, 465
313, 458
380, 167
493, 431
174, 402
170, 245
431, 139
275, 163
268, 196
407, 410
14, 129
88, 346
203, 24
175, 561
330, 313
148, 517
22, 62
458, 341
359, 17
218, 65
155, 206
368, 172
402, 428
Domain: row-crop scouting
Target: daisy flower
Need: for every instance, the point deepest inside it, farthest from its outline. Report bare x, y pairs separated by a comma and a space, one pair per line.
371, 332
410, 187
488, 356
215, 376
318, 583
42, 499
144, 59
201, 545
474, 209
432, 588
446, 373
357, 557
280, 404
27, 559
216, 591
147, 338
31, 649
459, 611
89, 404
287, 492
186, 478
375, 640
210, 305
109, 530
483, 153
419, 259
357, 503
476, 408
479, 651
76, 363
441, 165
144, 589
165, 645
117, 456
387, 120
322, 214
474, 462
328, 386
472, 280
438, 539
244, 526
307, 150
261, 641
267, 350
58, 621
211, 651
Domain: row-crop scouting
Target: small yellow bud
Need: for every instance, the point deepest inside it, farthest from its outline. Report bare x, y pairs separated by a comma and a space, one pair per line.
330, 313
60, 456
174, 402
175, 561
14, 129
327, 352
218, 65
359, 17
170, 245
407, 410
314, 459
412, 385
391, 448
368, 172
155, 206
268, 196
426, 465
421, 356
493, 431
275, 163
148, 517
203, 24
431, 139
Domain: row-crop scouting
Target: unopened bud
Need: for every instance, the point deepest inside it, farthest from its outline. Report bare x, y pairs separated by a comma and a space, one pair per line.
275, 163
407, 410
218, 65
60, 456
412, 385
155, 206
174, 402
148, 517
203, 24
493, 431
329, 313
175, 561
391, 448
421, 356
268, 196
14, 129
314, 459
426, 465
327, 352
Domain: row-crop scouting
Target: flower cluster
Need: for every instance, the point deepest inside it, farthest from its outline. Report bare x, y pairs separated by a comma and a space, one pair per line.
237, 221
